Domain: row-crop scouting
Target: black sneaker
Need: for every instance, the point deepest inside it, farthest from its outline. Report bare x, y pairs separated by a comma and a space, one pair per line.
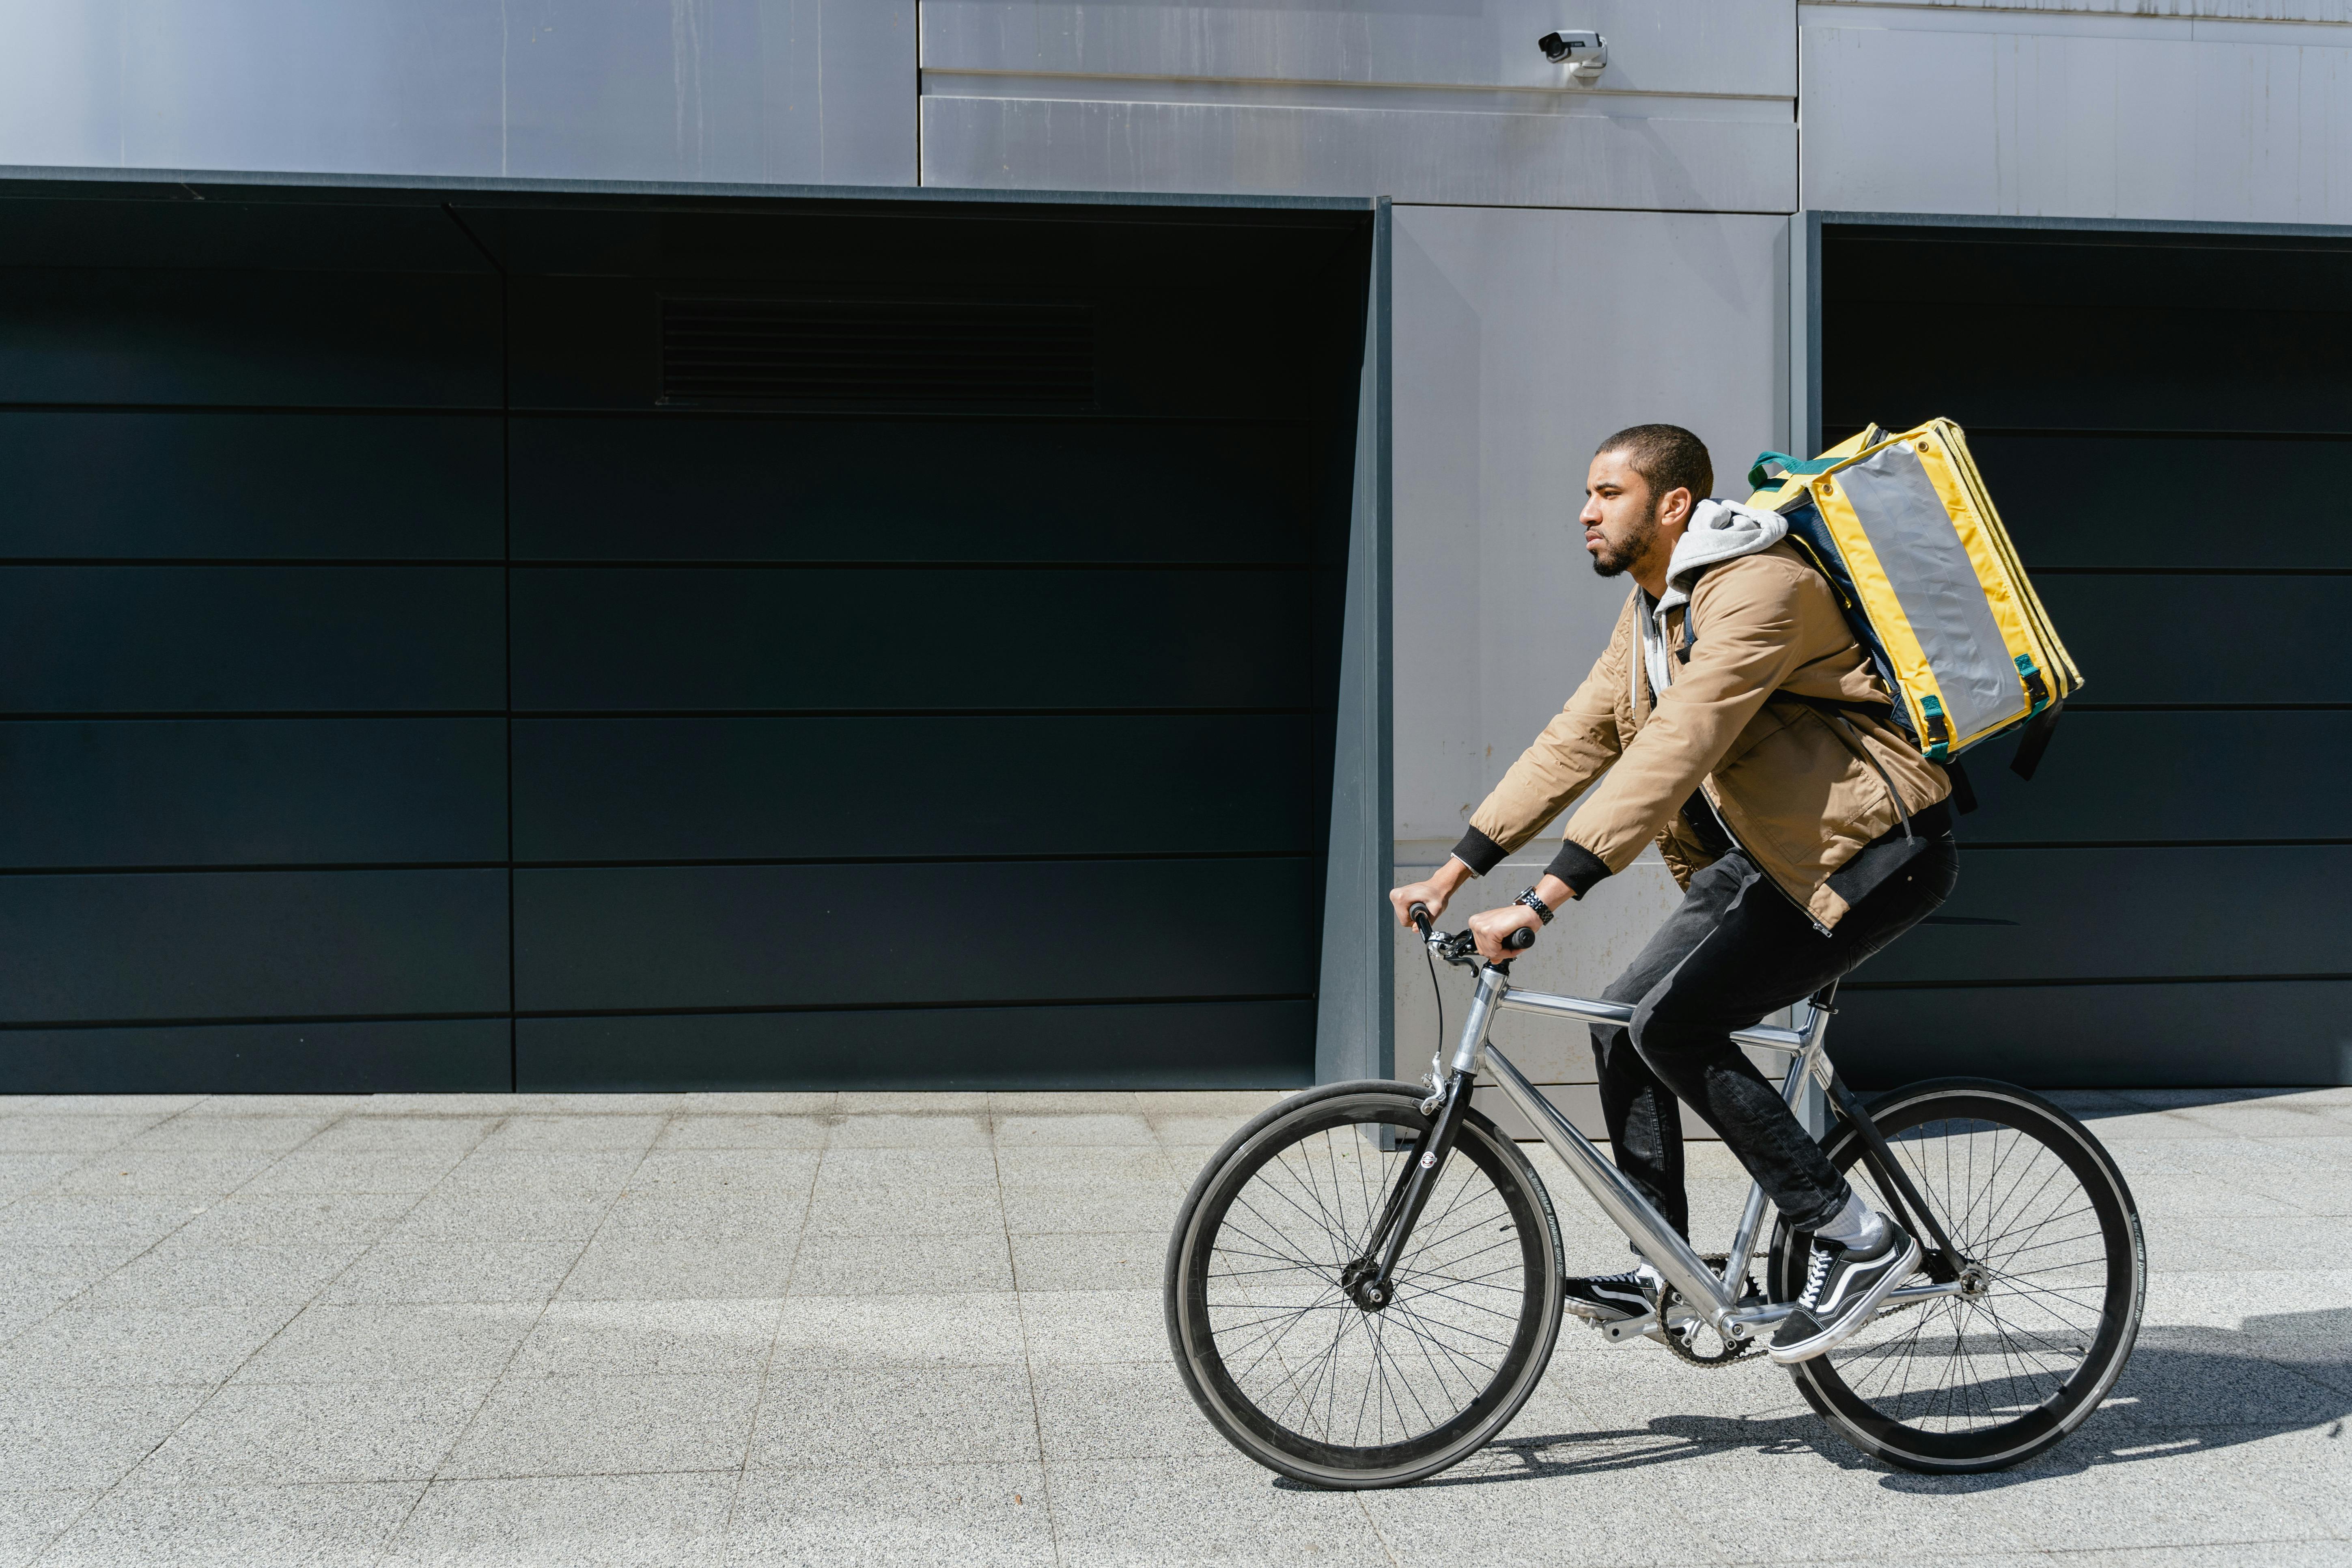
1842, 1290
1610, 1298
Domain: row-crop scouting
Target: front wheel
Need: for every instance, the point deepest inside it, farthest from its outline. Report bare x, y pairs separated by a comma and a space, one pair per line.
2055, 1271
1286, 1363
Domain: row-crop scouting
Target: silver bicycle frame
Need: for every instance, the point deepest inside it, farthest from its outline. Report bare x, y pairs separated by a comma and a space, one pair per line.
1715, 1298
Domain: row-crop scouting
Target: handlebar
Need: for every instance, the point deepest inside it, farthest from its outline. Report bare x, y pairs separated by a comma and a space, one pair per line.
1461, 948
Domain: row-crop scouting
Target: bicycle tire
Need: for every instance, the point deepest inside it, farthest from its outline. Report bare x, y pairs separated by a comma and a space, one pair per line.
1513, 1300
1988, 1158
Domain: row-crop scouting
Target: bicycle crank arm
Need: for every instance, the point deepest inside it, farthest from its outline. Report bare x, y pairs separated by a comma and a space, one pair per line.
1766, 1316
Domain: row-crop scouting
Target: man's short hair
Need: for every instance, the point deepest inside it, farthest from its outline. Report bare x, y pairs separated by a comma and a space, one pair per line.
1668, 456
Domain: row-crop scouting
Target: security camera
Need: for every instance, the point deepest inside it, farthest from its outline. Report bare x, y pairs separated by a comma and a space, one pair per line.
1584, 52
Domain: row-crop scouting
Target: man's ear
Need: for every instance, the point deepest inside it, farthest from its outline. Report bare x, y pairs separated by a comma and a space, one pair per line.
1678, 507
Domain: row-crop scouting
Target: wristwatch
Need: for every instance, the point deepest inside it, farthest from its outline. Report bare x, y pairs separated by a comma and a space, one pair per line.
1542, 910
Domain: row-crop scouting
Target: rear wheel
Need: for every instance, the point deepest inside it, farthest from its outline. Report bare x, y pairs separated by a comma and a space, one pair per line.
2057, 1274
1286, 1365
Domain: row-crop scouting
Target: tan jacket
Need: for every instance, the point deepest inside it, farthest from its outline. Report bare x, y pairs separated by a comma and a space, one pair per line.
1796, 785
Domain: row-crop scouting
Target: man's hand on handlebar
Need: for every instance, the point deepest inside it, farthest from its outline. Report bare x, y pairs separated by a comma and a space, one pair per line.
1436, 892
1493, 928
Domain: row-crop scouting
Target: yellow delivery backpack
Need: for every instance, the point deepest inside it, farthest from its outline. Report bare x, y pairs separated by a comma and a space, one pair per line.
1906, 531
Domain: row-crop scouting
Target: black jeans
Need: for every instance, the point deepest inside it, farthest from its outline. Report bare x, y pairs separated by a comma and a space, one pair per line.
1735, 950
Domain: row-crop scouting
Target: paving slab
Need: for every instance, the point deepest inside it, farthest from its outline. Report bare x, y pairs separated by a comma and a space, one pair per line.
983, 1516
833, 1264
826, 1416
348, 1344
609, 1426
86, 1437
31, 1518
642, 1266
140, 1346
243, 1527
563, 1521
278, 1434
628, 1339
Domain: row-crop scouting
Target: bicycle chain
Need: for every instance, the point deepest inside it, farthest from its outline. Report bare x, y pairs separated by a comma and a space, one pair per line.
1676, 1340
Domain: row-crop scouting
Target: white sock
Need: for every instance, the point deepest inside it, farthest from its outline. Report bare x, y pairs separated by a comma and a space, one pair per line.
1857, 1228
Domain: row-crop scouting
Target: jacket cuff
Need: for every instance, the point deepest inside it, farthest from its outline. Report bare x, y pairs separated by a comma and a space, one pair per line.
1479, 852
1579, 867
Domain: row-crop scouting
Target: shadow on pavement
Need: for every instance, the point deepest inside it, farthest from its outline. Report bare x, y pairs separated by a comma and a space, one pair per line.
2184, 1389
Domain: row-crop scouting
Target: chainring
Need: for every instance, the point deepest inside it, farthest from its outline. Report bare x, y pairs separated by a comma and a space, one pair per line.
1677, 1337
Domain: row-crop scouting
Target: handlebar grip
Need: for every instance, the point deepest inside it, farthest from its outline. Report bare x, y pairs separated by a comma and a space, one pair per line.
1520, 940
1419, 915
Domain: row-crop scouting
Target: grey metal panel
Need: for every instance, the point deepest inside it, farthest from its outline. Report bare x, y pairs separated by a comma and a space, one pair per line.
696, 789
202, 483
251, 945
1523, 339
2124, 1035
1743, 164
252, 792
1131, 1046
2130, 914
808, 90
157, 639
1930, 110
1654, 45
1355, 1030
655, 938
434, 1056
2200, 776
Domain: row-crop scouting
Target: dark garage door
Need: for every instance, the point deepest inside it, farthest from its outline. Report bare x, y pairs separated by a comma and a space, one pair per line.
2165, 423
569, 648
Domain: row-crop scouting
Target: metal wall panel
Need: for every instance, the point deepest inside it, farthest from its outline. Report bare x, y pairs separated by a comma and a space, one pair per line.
804, 91
1963, 109
1717, 47
2162, 903
1693, 113
1166, 1045
1523, 339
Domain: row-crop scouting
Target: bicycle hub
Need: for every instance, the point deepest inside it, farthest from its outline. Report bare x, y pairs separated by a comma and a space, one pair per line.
1361, 1280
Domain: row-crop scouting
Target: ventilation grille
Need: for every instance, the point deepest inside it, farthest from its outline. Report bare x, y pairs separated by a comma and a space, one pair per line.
870, 353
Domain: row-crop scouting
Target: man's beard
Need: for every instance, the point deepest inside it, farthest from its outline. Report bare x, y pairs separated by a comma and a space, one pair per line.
1609, 561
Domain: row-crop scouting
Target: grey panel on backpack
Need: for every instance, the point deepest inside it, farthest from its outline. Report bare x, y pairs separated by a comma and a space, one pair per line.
1938, 586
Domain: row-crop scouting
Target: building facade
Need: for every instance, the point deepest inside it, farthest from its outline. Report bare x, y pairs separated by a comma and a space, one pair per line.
601, 544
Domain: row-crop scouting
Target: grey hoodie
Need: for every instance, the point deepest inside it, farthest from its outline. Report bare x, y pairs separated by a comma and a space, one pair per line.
1720, 530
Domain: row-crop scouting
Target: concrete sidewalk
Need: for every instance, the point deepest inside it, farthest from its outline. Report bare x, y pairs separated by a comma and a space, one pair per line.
749, 1329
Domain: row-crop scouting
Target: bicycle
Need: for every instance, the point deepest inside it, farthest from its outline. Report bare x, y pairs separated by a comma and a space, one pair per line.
1364, 1283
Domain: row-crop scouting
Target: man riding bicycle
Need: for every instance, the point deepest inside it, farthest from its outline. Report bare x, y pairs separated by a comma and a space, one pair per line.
1734, 722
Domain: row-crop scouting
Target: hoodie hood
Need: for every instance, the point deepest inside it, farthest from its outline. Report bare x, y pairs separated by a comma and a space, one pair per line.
1720, 530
